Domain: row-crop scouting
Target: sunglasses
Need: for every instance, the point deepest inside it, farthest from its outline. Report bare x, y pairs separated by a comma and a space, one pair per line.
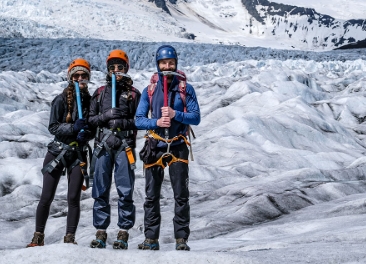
120, 67
77, 75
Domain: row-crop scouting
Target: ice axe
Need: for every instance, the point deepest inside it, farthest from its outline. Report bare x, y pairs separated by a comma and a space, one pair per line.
113, 90
80, 115
165, 83
78, 100
114, 86
189, 131
128, 150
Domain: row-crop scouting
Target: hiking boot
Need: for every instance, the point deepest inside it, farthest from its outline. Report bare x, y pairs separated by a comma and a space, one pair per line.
100, 241
38, 240
70, 238
152, 244
121, 242
181, 244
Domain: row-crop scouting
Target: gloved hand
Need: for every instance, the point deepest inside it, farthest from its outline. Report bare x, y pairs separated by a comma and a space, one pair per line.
79, 125
113, 142
83, 136
113, 113
116, 123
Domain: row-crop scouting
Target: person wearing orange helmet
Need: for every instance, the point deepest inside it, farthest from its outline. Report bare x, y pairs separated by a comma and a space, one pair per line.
66, 152
112, 113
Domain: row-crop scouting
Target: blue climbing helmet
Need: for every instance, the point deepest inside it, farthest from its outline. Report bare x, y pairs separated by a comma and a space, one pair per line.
166, 52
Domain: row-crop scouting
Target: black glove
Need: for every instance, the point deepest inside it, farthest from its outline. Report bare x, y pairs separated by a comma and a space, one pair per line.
79, 125
116, 123
83, 136
113, 142
113, 113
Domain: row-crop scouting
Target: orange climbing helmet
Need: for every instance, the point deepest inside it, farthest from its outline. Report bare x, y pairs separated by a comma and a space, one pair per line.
78, 64
118, 54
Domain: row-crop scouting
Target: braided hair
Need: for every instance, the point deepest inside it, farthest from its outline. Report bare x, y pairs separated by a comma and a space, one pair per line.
69, 91
125, 83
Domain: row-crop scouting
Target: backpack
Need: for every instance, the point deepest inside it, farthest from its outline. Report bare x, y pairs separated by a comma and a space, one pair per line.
182, 87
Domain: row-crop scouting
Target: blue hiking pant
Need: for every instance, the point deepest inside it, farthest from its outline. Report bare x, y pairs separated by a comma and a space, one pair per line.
154, 176
124, 179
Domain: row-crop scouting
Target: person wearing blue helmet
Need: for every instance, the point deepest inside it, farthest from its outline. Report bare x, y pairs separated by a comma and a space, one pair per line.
166, 145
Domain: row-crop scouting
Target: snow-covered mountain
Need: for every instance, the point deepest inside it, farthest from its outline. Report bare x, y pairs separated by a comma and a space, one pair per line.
289, 25
302, 24
340, 9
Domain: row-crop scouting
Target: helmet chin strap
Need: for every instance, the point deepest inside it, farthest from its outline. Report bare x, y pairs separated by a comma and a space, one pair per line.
171, 73
126, 79
122, 74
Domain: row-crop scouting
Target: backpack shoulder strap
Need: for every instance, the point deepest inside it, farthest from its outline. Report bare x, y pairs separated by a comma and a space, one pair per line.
134, 92
182, 88
100, 95
151, 88
183, 92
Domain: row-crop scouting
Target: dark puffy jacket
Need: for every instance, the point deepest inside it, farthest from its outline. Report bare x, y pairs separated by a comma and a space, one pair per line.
57, 126
126, 95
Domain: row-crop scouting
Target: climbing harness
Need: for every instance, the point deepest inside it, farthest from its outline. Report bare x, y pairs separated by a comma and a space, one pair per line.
103, 144
73, 146
160, 162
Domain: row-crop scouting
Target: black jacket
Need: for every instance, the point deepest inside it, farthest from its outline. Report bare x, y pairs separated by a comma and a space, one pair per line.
127, 97
57, 126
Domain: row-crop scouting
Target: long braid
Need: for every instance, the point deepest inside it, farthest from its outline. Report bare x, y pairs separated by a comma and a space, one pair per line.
128, 83
129, 95
70, 102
